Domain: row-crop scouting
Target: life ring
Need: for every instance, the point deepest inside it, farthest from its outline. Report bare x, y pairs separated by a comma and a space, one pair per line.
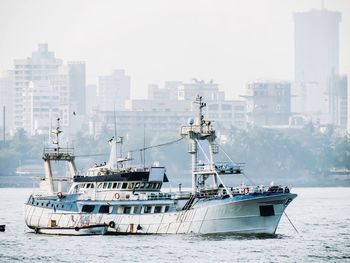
59, 195
116, 196
111, 224
246, 191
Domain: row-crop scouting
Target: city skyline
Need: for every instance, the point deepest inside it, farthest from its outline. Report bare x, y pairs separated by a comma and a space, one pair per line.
159, 41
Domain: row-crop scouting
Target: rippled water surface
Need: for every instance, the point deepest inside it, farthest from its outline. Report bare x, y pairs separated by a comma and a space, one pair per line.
321, 215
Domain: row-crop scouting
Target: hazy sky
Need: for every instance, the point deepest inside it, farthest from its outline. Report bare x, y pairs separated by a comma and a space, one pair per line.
231, 41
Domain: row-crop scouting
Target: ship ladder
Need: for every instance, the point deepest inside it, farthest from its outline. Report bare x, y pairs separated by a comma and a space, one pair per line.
189, 203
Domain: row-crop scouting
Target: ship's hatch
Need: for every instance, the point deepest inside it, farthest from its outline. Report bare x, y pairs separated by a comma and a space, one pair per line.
267, 210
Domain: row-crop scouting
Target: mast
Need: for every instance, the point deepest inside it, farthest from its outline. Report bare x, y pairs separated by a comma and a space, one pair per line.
196, 131
56, 153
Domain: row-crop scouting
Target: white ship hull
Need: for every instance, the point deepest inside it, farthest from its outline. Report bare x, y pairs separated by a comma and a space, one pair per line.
217, 216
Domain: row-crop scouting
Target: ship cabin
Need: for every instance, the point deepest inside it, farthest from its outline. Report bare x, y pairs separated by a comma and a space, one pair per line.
133, 183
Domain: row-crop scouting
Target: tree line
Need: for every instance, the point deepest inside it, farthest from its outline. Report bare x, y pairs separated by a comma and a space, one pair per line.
291, 155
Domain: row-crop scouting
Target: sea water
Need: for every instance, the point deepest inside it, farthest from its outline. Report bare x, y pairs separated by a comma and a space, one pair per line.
321, 216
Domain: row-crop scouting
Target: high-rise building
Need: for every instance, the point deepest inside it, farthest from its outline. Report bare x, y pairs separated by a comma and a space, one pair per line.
76, 72
316, 59
35, 70
113, 91
339, 101
268, 102
208, 90
168, 92
41, 107
91, 101
6, 99
59, 84
227, 113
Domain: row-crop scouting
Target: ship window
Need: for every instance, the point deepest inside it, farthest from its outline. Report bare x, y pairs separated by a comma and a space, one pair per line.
104, 185
131, 186
88, 185
47, 204
147, 185
157, 209
166, 208
109, 185
62, 206
127, 210
147, 209
119, 185
51, 205
42, 204
114, 185
137, 185
124, 185
267, 210
104, 209
37, 203
92, 186
142, 185
88, 208
137, 209
154, 186
99, 185
159, 185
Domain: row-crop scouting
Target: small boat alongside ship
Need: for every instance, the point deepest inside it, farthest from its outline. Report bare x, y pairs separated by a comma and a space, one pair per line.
120, 198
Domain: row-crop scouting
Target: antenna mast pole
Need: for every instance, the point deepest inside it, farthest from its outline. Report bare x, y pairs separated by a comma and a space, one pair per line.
144, 145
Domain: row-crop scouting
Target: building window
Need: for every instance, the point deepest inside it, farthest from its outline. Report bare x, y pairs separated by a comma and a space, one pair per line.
226, 107
213, 107
239, 108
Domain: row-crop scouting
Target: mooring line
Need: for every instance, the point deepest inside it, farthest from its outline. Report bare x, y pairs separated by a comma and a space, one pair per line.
296, 230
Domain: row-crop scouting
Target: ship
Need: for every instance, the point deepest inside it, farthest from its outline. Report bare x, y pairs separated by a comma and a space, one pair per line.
118, 198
